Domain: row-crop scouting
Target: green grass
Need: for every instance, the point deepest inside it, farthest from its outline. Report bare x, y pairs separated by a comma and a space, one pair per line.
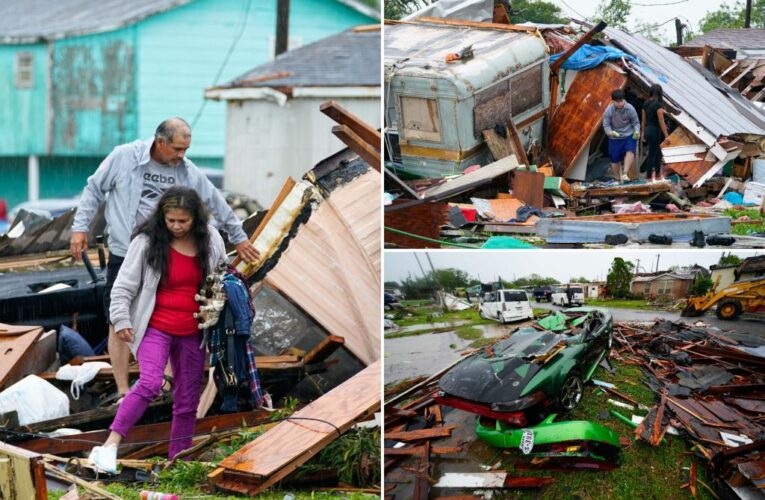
424, 331
468, 332
416, 303
430, 314
756, 225
645, 472
621, 303
538, 313
482, 342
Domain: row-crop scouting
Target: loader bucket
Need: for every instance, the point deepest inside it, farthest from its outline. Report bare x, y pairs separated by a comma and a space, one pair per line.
691, 311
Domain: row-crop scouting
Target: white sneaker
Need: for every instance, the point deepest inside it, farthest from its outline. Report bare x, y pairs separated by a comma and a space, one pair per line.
104, 458
625, 178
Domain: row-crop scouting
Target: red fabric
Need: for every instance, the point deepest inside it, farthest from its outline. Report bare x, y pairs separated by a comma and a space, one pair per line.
175, 306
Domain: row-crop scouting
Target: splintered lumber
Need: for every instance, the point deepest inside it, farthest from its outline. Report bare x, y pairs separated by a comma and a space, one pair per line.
433, 433
490, 480
71, 478
278, 452
421, 480
142, 433
366, 151
369, 134
27, 472
17, 355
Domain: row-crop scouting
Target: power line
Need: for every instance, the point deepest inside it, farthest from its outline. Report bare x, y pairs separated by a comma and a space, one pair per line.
225, 60
574, 10
659, 4
654, 26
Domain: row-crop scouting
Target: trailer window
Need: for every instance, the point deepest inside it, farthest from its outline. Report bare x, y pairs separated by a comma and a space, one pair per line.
526, 88
420, 119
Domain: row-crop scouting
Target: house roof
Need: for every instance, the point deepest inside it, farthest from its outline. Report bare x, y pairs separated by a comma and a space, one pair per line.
350, 58
680, 274
752, 265
732, 38
719, 109
35, 20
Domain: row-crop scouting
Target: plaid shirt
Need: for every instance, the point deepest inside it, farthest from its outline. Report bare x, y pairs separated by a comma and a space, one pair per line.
238, 295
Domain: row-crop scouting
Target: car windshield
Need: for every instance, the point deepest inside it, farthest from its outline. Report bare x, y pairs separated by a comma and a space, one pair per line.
515, 296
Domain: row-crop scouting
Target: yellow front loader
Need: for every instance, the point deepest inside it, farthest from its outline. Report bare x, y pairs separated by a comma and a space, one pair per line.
731, 301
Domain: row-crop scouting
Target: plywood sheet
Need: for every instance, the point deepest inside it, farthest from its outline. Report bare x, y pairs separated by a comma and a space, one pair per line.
331, 268
292, 442
529, 187
579, 117
693, 170
13, 355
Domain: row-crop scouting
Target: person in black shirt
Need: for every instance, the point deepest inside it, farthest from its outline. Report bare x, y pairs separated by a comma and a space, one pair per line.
654, 131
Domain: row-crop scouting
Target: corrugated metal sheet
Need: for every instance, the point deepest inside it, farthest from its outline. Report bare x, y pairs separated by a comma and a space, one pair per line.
348, 58
331, 268
32, 20
421, 49
690, 90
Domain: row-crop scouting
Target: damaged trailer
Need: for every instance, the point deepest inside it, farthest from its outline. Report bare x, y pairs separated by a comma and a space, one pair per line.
553, 133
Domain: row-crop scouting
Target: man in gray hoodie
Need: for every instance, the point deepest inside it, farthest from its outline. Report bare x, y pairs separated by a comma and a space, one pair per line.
134, 176
622, 126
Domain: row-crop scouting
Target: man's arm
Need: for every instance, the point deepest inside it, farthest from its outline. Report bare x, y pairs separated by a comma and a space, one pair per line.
607, 120
226, 218
98, 184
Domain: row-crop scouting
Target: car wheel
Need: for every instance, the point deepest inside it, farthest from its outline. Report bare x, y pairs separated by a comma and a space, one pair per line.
571, 392
500, 318
481, 314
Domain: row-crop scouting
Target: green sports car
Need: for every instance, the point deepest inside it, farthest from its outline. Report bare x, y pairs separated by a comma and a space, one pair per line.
535, 371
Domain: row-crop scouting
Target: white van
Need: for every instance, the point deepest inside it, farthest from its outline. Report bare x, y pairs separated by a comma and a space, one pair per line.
560, 296
506, 305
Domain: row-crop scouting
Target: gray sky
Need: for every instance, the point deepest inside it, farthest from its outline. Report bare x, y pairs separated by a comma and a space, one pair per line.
689, 11
560, 264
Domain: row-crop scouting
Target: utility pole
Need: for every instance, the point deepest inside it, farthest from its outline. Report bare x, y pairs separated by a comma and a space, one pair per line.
438, 285
748, 18
658, 255
637, 267
679, 31
282, 26
420, 265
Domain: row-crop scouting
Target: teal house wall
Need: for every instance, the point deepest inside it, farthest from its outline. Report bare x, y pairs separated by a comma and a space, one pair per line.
105, 89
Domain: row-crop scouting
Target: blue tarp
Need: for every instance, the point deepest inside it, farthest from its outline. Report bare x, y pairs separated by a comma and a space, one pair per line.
589, 56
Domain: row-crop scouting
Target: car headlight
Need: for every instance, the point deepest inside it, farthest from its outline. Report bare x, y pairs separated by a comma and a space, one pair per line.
520, 404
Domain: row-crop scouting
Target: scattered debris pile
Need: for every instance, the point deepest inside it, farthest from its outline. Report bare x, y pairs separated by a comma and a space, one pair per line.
710, 386
510, 141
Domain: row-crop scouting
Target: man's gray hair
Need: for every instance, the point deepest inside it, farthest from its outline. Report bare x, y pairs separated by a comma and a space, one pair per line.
170, 127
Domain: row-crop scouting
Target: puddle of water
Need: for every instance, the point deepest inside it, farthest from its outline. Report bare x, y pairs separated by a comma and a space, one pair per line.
428, 326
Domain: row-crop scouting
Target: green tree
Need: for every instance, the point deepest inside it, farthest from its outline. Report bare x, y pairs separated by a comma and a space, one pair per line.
534, 280
580, 279
732, 15
728, 260
396, 9
535, 11
701, 285
451, 278
614, 12
649, 30
392, 284
619, 278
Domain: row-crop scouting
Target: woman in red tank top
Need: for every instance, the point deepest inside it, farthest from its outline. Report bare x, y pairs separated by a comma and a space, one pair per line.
167, 260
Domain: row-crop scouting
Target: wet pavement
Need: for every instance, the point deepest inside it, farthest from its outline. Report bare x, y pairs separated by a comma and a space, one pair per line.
426, 354
428, 326
744, 324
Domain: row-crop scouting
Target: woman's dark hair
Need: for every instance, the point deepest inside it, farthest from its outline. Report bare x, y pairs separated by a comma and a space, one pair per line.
656, 93
160, 236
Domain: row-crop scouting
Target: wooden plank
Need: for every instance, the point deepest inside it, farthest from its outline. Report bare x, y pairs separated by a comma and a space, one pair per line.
433, 433
344, 117
13, 330
71, 478
579, 117
13, 356
28, 476
358, 145
474, 24
323, 349
529, 187
483, 175
286, 189
151, 432
276, 453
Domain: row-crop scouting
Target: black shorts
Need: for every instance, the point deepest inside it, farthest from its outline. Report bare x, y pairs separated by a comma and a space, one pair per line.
112, 269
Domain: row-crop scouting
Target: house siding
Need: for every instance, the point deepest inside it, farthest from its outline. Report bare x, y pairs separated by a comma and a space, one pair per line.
22, 114
172, 43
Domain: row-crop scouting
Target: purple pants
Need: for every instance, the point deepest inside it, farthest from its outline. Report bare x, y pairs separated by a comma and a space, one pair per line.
187, 362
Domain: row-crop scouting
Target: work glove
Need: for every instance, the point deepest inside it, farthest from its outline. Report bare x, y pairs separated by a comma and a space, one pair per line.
635, 135
614, 134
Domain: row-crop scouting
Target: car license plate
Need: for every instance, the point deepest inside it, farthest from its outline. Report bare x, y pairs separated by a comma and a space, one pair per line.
527, 441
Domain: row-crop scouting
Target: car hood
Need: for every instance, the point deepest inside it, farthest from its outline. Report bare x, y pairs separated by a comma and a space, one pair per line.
501, 372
